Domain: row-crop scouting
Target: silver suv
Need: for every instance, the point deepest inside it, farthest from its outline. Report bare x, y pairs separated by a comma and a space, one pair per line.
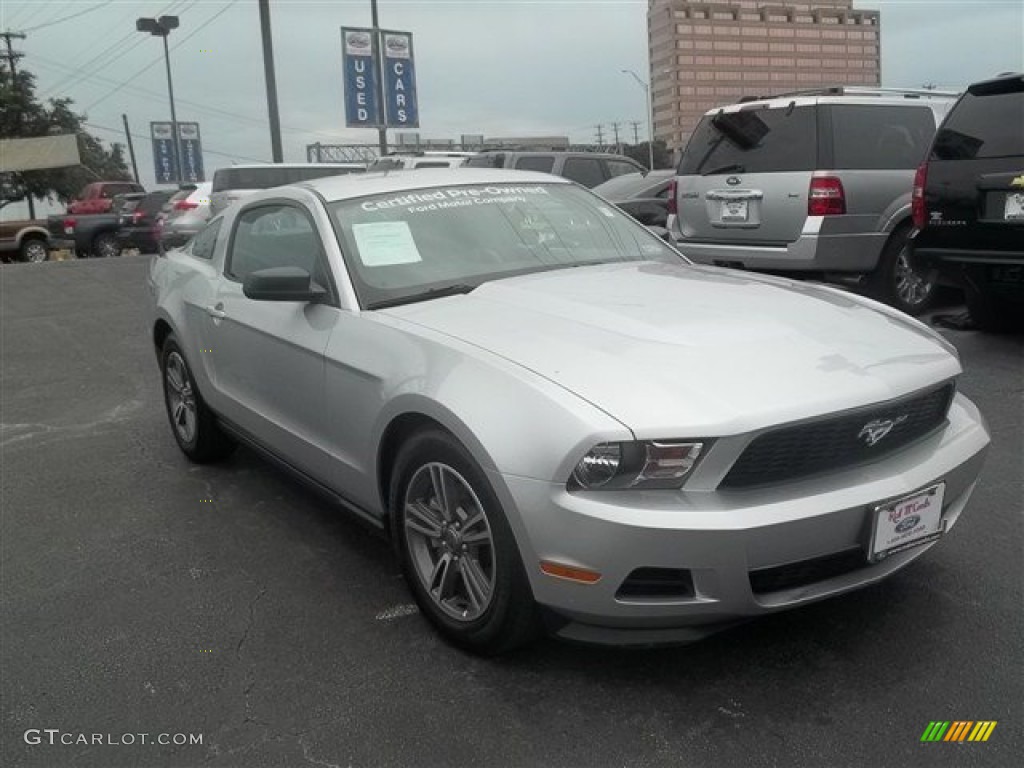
814, 182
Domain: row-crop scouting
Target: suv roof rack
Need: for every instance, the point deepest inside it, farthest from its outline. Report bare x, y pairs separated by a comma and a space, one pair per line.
862, 90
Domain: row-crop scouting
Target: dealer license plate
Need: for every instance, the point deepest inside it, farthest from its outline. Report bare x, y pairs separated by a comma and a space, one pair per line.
734, 210
1014, 210
908, 522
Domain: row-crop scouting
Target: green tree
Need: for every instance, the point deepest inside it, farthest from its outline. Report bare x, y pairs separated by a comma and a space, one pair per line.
23, 116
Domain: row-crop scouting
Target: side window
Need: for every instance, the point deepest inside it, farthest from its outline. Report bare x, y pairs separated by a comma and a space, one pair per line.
205, 240
274, 236
583, 170
880, 138
619, 168
431, 164
541, 163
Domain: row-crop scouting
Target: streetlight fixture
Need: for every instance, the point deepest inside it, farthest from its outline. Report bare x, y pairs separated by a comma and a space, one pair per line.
162, 28
650, 118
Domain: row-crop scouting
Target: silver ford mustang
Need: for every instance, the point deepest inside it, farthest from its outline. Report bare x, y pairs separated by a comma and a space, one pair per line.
561, 423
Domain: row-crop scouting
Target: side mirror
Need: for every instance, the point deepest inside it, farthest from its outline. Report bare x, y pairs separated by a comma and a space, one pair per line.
282, 284
660, 232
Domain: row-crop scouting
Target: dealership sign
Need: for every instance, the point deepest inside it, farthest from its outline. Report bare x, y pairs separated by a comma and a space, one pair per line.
164, 157
399, 80
362, 107
191, 152
369, 57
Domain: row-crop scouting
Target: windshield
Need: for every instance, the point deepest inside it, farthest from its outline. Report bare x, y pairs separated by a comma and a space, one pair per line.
752, 141
403, 245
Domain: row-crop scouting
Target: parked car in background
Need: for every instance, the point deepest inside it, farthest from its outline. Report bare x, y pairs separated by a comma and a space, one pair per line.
814, 183
24, 240
562, 423
98, 196
398, 161
644, 195
238, 181
137, 225
969, 201
184, 214
585, 168
91, 235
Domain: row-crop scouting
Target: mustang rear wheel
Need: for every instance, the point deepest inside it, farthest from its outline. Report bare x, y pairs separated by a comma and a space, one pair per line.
193, 424
457, 549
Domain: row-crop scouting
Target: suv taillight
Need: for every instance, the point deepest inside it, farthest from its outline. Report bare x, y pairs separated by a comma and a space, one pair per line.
826, 197
673, 207
69, 226
137, 216
185, 205
918, 209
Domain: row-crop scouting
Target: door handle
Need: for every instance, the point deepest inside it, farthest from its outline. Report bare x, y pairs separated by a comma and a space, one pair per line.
216, 311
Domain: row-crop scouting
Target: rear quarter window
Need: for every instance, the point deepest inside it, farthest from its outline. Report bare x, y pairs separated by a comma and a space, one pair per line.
753, 141
541, 163
982, 126
877, 138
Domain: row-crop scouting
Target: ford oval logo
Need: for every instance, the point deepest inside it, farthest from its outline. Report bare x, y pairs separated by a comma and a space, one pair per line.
732, 181
907, 523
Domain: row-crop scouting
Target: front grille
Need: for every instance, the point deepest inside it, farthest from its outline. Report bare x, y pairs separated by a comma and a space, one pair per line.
839, 441
806, 572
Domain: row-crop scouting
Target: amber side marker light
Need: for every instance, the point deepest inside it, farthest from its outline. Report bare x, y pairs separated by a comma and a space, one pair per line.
582, 575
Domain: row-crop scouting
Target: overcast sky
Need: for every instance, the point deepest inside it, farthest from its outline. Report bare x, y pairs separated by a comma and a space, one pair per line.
494, 67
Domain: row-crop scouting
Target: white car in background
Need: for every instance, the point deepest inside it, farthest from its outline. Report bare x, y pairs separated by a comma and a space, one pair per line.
238, 181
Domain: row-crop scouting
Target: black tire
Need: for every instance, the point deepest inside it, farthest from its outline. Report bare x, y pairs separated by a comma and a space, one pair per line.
105, 245
897, 281
991, 314
510, 619
207, 442
33, 250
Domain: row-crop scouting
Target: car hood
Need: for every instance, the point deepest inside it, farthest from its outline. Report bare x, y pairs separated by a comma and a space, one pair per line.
683, 351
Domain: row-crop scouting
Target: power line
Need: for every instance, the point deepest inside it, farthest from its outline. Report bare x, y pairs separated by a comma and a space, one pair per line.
206, 150
159, 59
600, 134
90, 9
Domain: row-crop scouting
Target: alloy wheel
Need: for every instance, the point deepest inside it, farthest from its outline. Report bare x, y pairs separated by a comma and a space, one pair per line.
34, 251
912, 287
449, 541
181, 399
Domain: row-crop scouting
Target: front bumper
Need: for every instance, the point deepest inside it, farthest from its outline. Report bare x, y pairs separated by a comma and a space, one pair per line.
720, 537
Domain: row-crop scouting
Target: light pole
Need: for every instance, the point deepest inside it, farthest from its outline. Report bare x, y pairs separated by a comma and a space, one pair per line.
650, 118
162, 28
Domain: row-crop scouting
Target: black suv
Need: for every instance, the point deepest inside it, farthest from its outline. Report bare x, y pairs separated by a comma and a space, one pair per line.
968, 201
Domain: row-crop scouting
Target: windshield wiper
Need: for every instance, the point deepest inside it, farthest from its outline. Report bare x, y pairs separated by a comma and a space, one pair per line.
732, 167
433, 293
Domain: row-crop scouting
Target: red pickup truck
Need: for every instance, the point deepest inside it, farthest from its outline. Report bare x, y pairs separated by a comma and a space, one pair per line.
97, 197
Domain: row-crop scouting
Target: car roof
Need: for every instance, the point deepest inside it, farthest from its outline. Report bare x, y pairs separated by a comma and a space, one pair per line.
252, 166
870, 97
334, 188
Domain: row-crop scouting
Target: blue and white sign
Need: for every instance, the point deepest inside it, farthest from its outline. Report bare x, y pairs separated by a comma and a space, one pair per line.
164, 160
191, 152
362, 109
399, 80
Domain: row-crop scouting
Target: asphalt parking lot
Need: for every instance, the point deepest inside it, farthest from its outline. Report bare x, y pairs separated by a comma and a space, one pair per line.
141, 594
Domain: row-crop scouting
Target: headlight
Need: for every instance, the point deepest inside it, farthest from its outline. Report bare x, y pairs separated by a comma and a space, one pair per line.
649, 464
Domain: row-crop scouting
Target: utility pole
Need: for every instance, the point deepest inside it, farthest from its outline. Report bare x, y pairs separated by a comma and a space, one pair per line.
600, 135
269, 76
131, 147
615, 128
11, 58
378, 71
636, 131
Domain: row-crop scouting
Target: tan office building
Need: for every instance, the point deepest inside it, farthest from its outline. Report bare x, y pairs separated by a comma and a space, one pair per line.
703, 55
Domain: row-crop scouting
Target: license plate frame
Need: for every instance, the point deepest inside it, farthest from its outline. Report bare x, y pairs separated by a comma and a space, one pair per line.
1013, 207
735, 211
889, 530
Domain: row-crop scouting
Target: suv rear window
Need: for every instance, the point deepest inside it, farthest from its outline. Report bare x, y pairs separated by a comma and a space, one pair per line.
880, 137
752, 141
272, 176
982, 126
